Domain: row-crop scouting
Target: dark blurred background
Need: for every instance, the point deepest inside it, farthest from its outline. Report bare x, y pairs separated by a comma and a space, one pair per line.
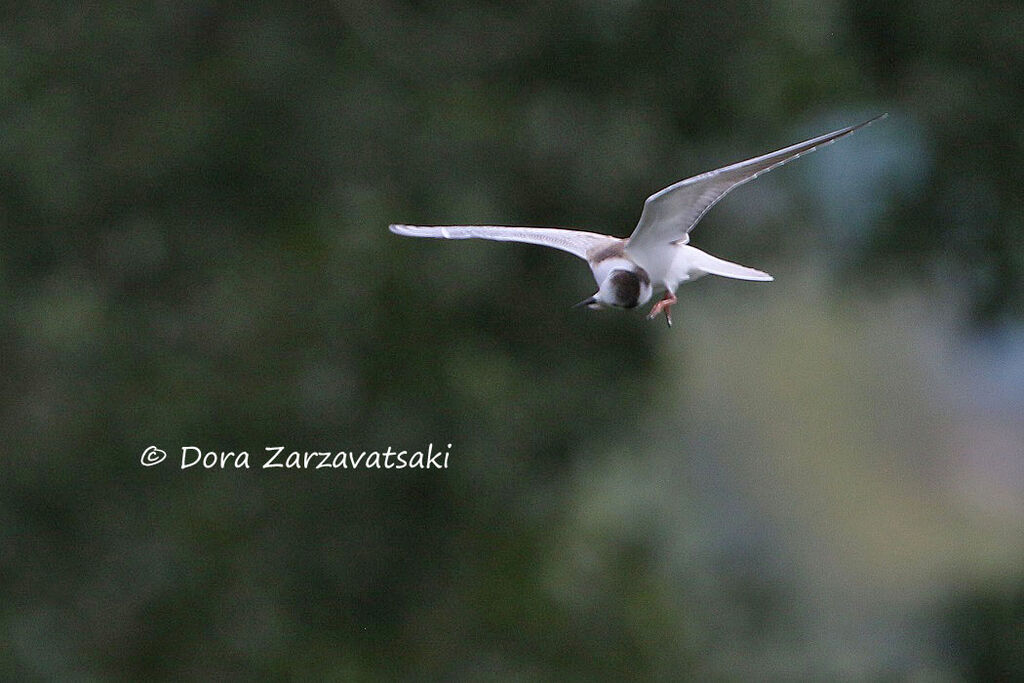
820, 478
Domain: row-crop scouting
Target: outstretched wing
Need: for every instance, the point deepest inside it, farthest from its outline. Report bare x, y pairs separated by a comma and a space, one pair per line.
575, 242
670, 214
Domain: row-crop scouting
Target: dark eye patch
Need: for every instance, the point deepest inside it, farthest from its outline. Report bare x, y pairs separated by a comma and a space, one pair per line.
626, 286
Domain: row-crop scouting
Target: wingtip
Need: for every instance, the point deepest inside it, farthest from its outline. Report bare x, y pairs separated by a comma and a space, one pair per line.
873, 119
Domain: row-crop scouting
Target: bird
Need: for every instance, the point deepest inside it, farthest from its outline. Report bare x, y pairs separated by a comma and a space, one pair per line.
657, 257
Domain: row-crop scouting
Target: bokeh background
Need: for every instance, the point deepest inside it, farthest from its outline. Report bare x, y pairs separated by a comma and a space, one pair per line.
820, 478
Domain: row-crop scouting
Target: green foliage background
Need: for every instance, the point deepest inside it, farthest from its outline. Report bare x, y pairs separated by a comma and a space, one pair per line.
819, 478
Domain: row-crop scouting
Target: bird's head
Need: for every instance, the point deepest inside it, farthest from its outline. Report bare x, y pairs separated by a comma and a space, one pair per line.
622, 289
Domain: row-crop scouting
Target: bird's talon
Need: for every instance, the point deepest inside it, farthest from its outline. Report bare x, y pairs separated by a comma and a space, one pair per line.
663, 306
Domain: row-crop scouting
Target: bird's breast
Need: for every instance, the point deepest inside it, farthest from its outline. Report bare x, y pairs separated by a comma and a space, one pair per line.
659, 263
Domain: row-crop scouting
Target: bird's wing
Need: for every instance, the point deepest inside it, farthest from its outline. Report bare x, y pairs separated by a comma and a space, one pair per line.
670, 214
575, 242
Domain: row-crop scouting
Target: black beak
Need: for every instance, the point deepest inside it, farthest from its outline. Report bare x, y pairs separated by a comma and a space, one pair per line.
586, 302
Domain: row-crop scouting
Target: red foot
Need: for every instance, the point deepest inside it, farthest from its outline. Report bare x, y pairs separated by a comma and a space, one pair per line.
665, 305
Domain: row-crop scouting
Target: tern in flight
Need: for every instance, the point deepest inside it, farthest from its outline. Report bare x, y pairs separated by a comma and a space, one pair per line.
657, 256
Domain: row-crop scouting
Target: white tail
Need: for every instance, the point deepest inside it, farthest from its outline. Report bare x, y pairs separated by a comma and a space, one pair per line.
716, 266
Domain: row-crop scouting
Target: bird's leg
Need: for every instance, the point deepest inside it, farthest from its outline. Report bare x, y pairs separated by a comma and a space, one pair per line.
664, 305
